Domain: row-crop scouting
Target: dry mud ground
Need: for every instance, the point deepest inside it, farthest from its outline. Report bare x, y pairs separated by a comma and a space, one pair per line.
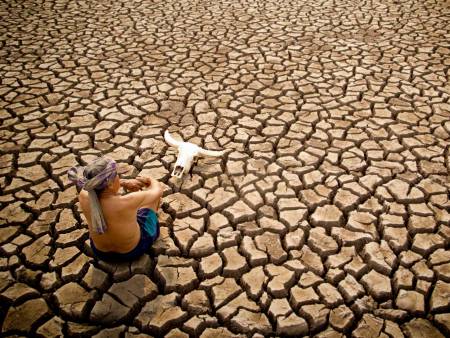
329, 215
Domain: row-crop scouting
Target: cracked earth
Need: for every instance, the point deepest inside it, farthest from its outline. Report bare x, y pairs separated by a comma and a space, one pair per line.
329, 215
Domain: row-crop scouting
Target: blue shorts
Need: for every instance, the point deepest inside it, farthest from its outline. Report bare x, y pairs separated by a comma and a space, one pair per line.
148, 223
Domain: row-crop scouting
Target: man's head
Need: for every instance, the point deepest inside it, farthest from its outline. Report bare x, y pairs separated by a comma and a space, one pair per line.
106, 168
97, 176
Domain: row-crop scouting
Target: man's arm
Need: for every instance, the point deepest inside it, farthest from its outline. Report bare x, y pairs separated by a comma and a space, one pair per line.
132, 184
148, 198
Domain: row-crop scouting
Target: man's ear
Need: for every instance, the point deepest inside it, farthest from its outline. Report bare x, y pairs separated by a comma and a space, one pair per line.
111, 183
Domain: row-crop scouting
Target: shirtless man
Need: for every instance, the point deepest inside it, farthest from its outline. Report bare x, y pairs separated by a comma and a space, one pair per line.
121, 227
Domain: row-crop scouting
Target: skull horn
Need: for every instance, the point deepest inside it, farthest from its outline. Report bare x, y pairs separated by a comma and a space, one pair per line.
212, 153
170, 140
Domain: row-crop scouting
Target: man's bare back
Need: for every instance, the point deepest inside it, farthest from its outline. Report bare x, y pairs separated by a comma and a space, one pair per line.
123, 232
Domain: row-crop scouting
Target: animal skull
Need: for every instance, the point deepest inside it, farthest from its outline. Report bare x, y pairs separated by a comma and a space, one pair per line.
187, 152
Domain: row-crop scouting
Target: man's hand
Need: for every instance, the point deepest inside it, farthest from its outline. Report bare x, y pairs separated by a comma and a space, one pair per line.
137, 183
132, 184
146, 181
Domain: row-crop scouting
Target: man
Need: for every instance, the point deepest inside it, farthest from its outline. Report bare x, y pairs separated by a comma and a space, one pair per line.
121, 227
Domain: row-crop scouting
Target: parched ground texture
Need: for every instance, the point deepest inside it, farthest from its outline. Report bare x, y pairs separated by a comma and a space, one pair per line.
328, 216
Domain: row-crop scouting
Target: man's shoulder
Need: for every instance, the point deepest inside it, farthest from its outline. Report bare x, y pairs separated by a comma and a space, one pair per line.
132, 197
118, 204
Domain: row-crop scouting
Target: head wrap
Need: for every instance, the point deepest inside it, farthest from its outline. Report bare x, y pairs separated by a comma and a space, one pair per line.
105, 171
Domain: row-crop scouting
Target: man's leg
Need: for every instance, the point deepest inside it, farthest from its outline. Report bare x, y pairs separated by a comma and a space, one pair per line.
155, 190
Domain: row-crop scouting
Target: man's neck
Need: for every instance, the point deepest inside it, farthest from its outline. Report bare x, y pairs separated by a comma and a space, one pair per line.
109, 193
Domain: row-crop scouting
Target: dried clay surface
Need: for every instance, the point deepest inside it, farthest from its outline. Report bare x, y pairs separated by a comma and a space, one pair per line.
328, 216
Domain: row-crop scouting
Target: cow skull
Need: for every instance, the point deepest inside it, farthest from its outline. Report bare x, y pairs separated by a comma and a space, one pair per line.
187, 152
